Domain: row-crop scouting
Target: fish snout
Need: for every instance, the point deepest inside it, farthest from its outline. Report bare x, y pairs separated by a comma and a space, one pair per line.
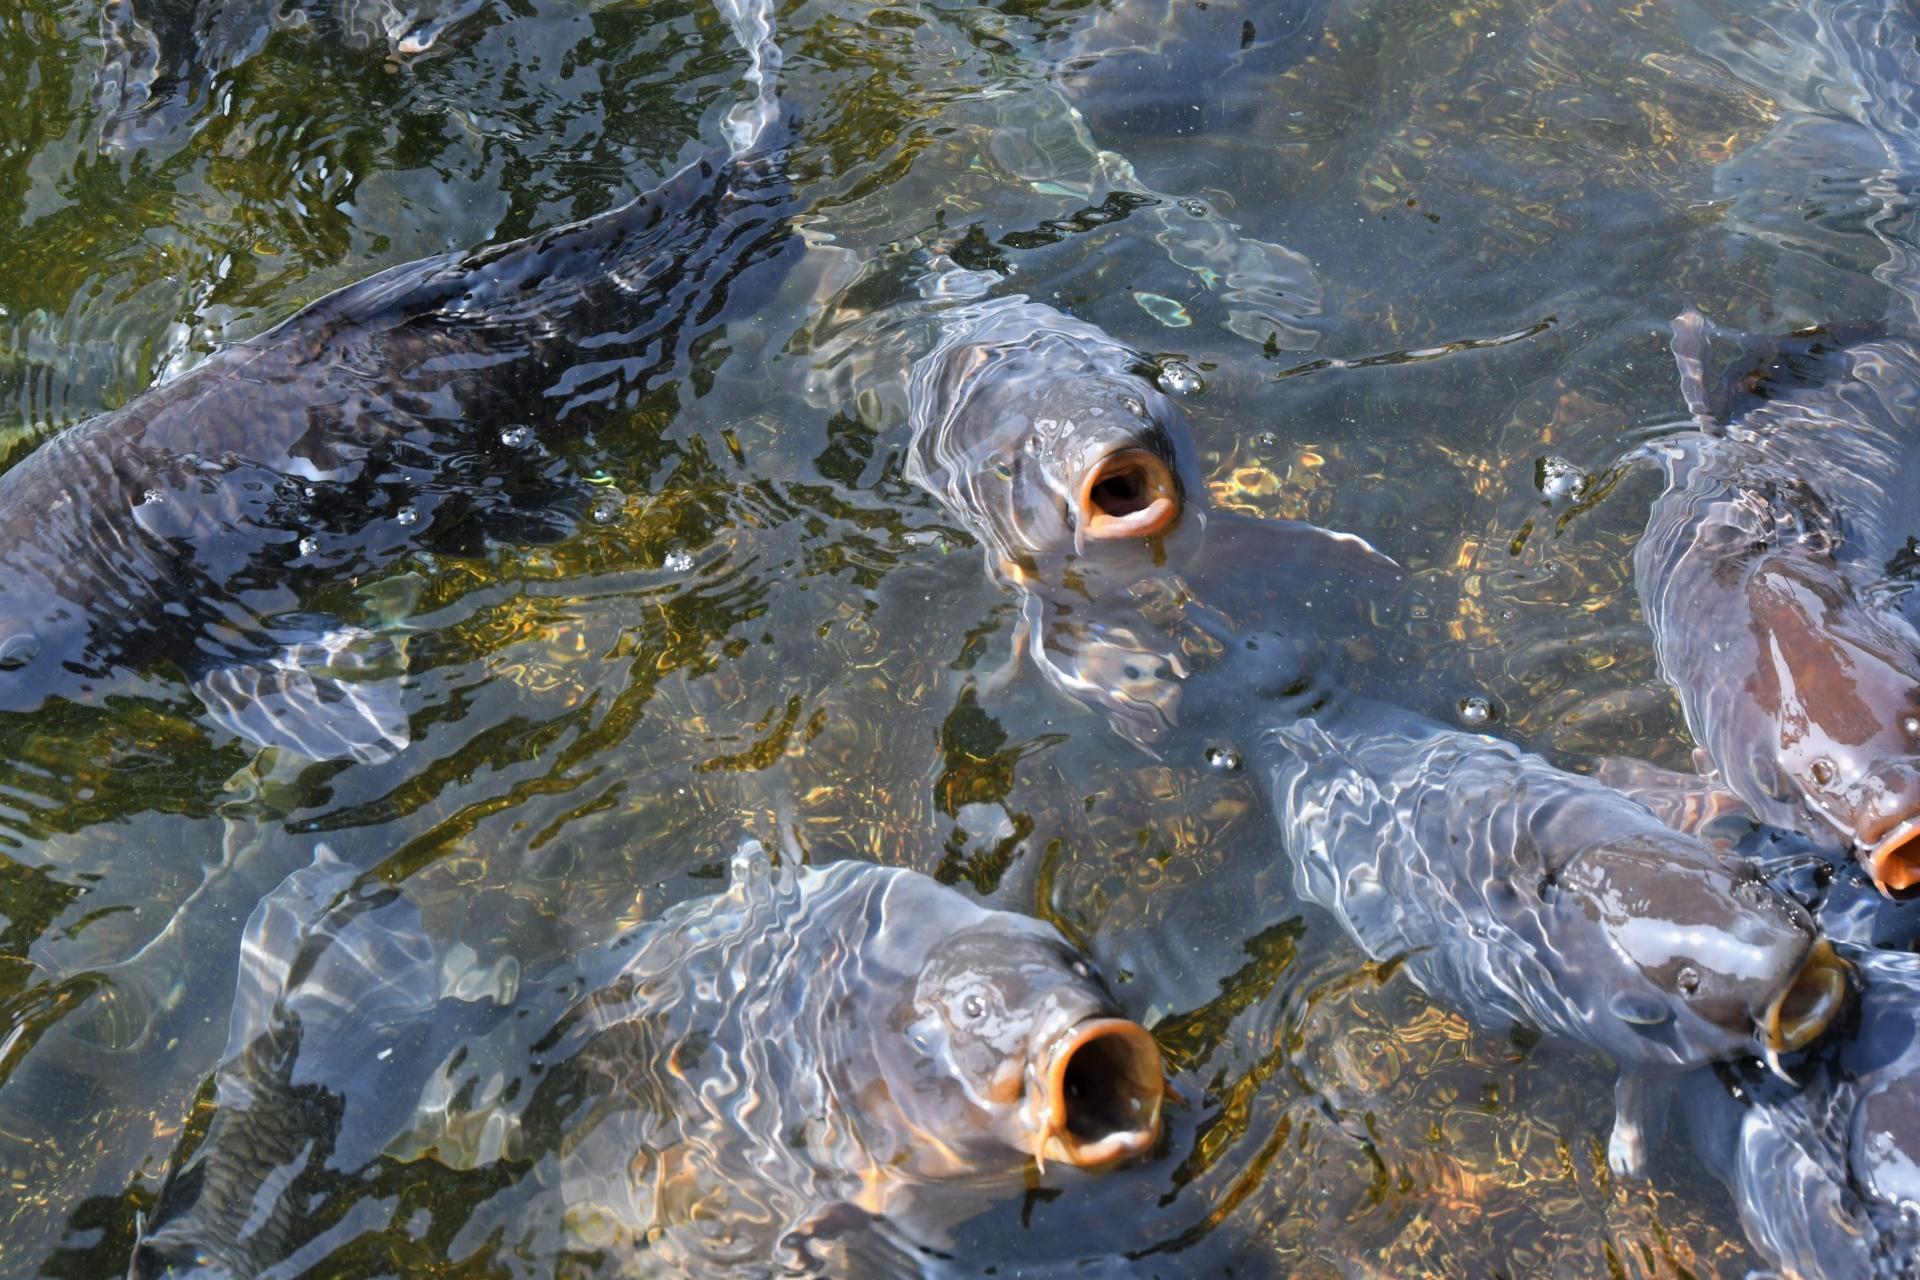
1100, 1094
1887, 833
1130, 493
1808, 1004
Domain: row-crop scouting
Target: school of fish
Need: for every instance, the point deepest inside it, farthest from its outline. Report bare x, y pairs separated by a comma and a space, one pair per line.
826, 1069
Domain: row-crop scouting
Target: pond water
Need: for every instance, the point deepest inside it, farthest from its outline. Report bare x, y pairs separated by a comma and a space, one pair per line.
1503, 204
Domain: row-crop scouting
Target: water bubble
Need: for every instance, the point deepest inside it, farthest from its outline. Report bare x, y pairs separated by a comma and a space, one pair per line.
1688, 979
1222, 758
1178, 378
1912, 725
151, 495
407, 515
678, 561
605, 511
517, 437
309, 545
1476, 711
1194, 208
1558, 480
1267, 439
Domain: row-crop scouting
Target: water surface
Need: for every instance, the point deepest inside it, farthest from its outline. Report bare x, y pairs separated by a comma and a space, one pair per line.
761, 618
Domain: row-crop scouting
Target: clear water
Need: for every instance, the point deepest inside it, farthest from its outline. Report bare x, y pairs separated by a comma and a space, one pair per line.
764, 617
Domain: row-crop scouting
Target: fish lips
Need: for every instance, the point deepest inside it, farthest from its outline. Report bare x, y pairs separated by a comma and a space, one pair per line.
1094, 1099
1129, 494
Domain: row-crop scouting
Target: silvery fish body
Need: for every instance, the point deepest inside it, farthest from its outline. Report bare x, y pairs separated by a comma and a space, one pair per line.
1056, 447
1826, 1172
406, 411
1526, 896
1762, 575
779, 1079
161, 55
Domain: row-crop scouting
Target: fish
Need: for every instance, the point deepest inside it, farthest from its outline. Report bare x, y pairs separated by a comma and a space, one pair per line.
1056, 447
408, 412
161, 56
1160, 68
1825, 1171
732, 1088
1843, 899
1526, 896
1763, 575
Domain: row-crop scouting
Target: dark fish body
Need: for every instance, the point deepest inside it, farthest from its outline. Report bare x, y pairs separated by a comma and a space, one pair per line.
1527, 896
1052, 442
161, 55
1826, 1172
1170, 67
732, 1089
394, 414
1763, 578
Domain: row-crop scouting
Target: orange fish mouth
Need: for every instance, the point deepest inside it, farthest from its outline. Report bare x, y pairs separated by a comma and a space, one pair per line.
1811, 1002
1894, 860
1128, 494
1103, 1090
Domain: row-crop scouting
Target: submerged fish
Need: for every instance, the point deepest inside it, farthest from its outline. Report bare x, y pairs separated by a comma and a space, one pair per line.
161, 55
1826, 1171
1759, 575
722, 1090
402, 412
1183, 66
1527, 896
1055, 446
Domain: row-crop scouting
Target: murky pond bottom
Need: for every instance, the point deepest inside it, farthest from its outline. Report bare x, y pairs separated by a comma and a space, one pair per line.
1502, 205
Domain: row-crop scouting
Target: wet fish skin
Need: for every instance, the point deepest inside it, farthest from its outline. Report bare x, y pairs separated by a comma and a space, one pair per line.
1823, 1170
1761, 576
1050, 440
1527, 896
805, 1066
187, 526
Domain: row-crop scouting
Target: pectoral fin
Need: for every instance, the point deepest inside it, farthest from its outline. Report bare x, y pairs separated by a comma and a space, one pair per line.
335, 696
1639, 1120
1274, 572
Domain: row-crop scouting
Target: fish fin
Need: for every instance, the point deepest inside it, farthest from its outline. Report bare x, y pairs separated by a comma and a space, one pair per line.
1691, 331
1687, 802
1639, 1119
273, 936
335, 696
1259, 569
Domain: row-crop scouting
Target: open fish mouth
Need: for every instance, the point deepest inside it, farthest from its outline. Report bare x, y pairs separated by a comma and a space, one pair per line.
1811, 1002
1130, 493
1894, 860
1103, 1085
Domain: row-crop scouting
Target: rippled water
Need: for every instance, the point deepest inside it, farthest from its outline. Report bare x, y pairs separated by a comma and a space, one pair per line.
763, 617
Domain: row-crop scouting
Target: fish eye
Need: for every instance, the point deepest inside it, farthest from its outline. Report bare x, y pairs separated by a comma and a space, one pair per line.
1003, 467
1637, 1011
1688, 979
1823, 772
974, 1007
1912, 725
18, 650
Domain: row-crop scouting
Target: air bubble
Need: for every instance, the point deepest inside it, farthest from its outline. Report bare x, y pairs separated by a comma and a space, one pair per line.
1178, 378
150, 495
1476, 711
1194, 208
1688, 979
605, 511
309, 545
1267, 439
678, 561
1912, 725
1558, 480
1222, 758
407, 515
517, 437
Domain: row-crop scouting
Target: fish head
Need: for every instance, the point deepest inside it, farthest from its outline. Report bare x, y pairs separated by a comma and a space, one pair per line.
1059, 456
1011, 1043
1843, 682
1716, 963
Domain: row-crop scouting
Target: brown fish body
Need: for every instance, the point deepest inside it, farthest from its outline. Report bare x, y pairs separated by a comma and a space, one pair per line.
1762, 578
